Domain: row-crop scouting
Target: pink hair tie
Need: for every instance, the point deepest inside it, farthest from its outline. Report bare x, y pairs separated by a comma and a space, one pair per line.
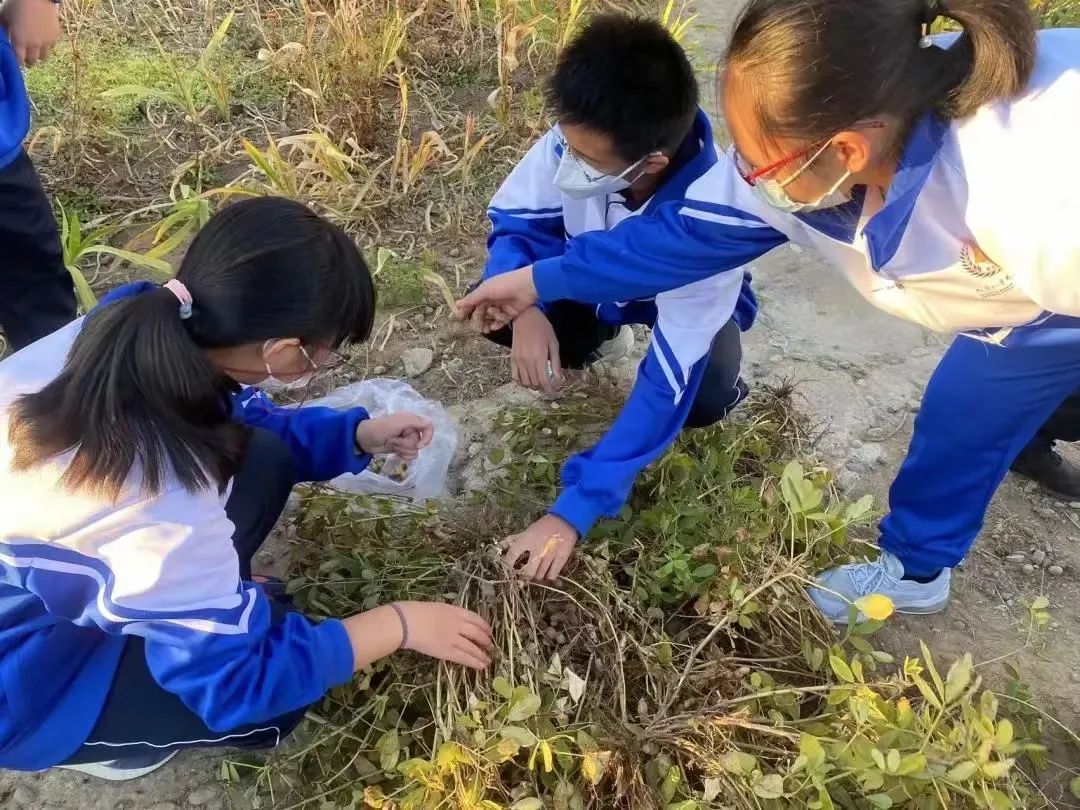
177, 288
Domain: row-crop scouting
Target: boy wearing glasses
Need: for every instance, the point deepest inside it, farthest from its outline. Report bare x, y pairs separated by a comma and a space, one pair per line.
630, 140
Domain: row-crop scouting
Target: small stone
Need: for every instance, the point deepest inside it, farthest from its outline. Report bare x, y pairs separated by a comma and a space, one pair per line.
203, 795
959, 624
1039, 557
25, 796
378, 370
1056, 570
827, 364
417, 361
871, 454
845, 364
1019, 557
455, 252
475, 448
429, 310
1029, 568
1046, 512
1055, 625
164, 806
1074, 504
776, 358
798, 357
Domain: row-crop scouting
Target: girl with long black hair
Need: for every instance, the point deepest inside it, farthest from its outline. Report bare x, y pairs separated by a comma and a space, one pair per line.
139, 473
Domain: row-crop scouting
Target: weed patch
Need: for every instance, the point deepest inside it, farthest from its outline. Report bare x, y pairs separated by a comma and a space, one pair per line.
679, 664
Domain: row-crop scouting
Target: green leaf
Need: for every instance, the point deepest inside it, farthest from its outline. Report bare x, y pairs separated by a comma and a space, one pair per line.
998, 769
524, 708
769, 787
892, 760
689, 804
738, 762
880, 800
929, 661
1074, 787
519, 734
798, 492
962, 772
911, 764
529, 803
502, 688
389, 749
810, 748
841, 668
959, 678
1003, 735
860, 509
1040, 603
159, 266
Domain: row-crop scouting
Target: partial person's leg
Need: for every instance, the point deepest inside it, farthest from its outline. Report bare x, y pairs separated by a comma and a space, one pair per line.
981, 407
722, 389
1039, 461
141, 724
260, 489
580, 332
37, 296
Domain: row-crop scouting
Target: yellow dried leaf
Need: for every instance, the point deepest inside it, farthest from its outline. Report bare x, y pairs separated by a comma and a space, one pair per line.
875, 606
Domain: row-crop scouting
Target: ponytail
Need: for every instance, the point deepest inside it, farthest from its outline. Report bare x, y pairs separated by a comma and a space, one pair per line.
138, 395
816, 67
135, 392
994, 56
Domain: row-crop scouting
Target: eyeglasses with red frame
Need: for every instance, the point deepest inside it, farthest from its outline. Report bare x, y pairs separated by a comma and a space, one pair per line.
752, 175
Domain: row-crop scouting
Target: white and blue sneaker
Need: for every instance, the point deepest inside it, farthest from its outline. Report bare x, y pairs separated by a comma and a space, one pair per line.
839, 587
121, 770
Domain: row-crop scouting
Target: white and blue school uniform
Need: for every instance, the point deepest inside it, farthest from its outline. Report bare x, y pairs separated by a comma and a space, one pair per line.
533, 222
78, 575
978, 234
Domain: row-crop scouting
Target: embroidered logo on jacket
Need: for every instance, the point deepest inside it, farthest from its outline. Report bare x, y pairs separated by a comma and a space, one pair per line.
978, 265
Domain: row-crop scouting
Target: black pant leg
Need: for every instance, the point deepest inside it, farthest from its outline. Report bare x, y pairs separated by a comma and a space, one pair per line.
1064, 424
37, 296
579, 331
140, 717
260, 489
721, 387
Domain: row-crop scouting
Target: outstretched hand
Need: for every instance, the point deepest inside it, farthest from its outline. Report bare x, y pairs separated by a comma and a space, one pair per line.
33, 27
542, 550
498, 301
403, 434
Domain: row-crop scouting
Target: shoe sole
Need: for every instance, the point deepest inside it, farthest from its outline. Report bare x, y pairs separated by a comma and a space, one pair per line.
912, 610
101, 770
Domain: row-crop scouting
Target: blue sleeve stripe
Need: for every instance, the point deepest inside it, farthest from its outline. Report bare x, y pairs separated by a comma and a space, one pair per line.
668, 361
57, 565
723, 211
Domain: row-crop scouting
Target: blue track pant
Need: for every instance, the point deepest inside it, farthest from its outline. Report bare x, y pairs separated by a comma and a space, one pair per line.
982, 406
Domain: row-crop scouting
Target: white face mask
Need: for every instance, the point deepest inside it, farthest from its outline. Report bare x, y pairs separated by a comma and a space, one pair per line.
272, 383
774, 192
578, 181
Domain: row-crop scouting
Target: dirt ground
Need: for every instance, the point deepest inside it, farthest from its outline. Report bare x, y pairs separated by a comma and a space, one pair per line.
860, 375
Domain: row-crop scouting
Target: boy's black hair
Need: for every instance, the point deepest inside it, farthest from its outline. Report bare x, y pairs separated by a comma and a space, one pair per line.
138, 392
627, 78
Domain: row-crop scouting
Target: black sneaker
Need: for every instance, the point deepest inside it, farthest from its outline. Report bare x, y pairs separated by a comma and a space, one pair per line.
1055, 475
121, 770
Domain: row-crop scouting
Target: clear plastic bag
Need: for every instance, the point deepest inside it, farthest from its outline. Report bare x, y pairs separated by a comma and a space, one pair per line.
389, 475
